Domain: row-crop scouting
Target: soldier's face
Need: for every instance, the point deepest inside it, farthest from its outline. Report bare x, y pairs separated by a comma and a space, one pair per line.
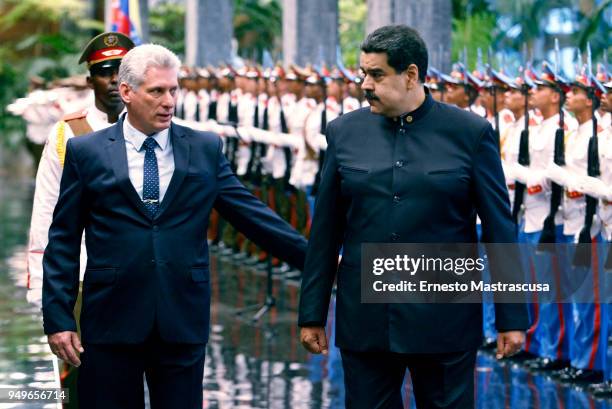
385, 89
542, 97
578, 100
606, 102
296, 87
355, 90
335, 89
104, 84
514, 100
151, 106
436, 94
455, 94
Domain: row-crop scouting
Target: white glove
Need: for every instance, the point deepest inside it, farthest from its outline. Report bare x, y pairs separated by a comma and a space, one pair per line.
591, 186
521, 173
558, 174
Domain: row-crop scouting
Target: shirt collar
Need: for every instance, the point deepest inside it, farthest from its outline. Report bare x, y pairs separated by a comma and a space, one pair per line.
137, 138
552, 120
411, 117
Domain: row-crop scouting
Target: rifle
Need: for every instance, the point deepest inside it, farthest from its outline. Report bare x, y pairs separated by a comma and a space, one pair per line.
549, 234
523, 159
582, 256
254, 146
321, 159
286, 149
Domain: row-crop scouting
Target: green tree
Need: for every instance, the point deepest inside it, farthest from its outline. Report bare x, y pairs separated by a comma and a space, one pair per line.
37, 37
257, 27
167, 26
352, 21
471, 33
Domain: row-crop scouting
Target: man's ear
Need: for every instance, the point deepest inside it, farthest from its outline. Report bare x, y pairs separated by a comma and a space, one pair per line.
124, 92
412, 76
89, 82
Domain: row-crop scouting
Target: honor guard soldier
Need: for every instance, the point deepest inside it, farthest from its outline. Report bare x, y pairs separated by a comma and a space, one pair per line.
103, 55
461, 87
435, 83
582, 224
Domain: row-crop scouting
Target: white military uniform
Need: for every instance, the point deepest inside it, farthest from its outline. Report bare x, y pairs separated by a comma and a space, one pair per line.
605, 158
314, 140
350, 104
536, 201
274, 163
46, 195
246, 114
510, 153
573, 176
297, 123
190, 104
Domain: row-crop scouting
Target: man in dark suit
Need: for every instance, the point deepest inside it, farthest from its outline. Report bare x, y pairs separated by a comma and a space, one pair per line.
413, 170
143, 191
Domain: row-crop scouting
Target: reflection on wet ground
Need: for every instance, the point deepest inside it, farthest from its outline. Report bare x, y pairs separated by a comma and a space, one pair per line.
25, 360
247, 365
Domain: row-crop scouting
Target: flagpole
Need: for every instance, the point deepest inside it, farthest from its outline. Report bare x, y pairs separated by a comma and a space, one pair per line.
108, 17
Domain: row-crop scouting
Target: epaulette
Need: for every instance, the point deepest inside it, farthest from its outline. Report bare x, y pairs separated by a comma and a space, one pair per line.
75, 115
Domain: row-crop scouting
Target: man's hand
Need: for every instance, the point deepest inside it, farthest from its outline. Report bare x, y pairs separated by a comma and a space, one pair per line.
509, 343
67, 346
314, 340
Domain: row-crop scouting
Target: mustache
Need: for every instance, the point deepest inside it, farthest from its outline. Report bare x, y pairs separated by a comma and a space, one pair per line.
370, 95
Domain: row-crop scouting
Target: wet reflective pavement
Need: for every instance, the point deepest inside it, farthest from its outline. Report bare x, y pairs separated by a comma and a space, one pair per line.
248, 365
25, 359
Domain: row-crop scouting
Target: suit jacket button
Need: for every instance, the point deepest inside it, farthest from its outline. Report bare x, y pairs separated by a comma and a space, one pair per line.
394, 236
396, 199
152, 261
399, 164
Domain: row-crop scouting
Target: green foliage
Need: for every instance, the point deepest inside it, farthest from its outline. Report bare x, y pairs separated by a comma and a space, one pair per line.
13, 85
167, 26
257, 27
595, 29
473, 32
464, 8
351, 29
44, 50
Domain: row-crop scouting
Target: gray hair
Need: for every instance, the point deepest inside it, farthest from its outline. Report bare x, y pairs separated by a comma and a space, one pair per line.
138, 60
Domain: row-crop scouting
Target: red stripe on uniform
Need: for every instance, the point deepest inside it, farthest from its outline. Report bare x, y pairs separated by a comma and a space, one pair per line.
536, 309
597, 323
559, 308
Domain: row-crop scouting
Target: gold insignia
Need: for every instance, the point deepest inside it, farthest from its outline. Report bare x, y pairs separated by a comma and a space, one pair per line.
111, 40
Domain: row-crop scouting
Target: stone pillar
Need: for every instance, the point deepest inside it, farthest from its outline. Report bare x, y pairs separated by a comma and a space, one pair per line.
431, 18
310, 31
144, 20
208, 32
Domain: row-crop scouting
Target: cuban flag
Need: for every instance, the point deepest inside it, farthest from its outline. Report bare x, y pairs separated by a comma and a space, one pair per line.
126, 19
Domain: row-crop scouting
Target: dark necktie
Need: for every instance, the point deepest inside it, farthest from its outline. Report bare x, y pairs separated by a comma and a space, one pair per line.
150, 186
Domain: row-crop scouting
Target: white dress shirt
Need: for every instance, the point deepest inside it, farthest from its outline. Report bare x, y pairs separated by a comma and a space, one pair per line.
135, 157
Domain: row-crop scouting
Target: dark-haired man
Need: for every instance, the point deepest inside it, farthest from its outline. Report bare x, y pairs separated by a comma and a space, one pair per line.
407, 169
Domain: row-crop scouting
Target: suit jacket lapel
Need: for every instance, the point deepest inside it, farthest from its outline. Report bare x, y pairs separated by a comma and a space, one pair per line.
180, 148
118, 159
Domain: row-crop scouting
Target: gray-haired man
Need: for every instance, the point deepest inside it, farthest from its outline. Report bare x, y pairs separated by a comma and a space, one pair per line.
143, 190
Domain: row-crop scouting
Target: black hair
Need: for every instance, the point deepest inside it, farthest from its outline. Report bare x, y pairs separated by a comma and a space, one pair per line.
403, 46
